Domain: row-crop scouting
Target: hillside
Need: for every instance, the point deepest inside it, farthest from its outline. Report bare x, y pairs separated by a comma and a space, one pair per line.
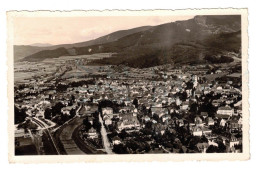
41, 44
21, 51
46, 54
177, 42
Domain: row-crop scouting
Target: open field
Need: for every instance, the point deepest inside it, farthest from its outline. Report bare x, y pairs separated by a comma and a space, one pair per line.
26, 70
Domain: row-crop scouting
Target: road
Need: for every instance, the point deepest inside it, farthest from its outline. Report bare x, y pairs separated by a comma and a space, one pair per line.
69, 144
105, 140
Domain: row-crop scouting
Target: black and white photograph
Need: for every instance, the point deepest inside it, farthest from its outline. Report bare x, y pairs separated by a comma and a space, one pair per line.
163, 83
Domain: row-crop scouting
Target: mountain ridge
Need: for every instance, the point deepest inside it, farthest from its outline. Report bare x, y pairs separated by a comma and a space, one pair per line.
21, 51
181, 41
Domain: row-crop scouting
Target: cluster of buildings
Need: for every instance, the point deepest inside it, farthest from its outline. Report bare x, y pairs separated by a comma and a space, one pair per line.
163, 99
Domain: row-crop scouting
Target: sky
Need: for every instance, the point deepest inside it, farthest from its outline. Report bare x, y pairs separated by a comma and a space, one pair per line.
66, 30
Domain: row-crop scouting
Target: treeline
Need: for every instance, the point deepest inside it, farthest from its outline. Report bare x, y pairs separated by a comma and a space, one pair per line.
63, 87
221, 59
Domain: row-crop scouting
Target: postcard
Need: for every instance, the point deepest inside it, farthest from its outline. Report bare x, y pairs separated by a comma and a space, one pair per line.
148, 85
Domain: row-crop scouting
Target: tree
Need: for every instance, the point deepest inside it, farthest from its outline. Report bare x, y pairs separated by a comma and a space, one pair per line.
132, 145
123, 134
194, 108
204, 139
221, 147
87, 124
56, 109
19, 115
120, 149
135, 102
96, 124
183, 95
47, 113
64, 118
73, 98
72, 113
147, 147
212, 149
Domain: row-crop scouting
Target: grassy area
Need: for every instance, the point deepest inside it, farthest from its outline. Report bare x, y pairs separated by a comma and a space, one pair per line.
212, 77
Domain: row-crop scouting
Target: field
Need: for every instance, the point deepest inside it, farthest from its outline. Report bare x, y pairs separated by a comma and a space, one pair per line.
26, 70
212, 77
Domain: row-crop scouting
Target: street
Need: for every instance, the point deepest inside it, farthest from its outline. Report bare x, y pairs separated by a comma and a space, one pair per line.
104, 137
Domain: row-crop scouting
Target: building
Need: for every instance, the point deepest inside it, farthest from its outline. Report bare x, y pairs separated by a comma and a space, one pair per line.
92, 133
128, 121
199, 131
116, 140
225, 111
107, 111
107, 121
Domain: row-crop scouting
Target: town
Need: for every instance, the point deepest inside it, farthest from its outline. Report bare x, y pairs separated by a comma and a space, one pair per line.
73, 107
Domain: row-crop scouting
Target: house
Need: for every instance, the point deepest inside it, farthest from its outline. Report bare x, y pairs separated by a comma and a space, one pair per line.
225, 111
116, 140
66, 110
206, 131
159, 128
202, 147
126, 109
128, 121
107, 121
198, 121
234, 124
166, 117
210, 121
218, 71
233, 141
222, 122
90, 119
159, 111
212, 142
239, 110
204, 114
180, 122
107, 111
199, 131
147, 118
185, 105
240, 122
216, 103
154, 121
92, 133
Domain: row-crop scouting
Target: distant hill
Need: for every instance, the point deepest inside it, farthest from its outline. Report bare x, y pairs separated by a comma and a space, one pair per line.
41, 44
47, 54
21, 51
177, 42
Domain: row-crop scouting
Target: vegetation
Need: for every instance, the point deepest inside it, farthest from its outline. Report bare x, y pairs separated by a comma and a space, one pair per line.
19, 115
166, 43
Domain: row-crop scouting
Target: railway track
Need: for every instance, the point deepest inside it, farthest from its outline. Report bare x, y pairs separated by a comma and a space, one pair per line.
48, 134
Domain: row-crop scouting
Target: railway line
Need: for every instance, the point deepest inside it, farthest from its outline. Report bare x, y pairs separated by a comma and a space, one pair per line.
48, 133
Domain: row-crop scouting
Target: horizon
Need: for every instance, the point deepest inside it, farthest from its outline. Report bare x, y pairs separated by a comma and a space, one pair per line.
43, 30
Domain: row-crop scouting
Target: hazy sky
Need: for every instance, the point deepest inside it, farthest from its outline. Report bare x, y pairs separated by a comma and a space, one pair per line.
61, 30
